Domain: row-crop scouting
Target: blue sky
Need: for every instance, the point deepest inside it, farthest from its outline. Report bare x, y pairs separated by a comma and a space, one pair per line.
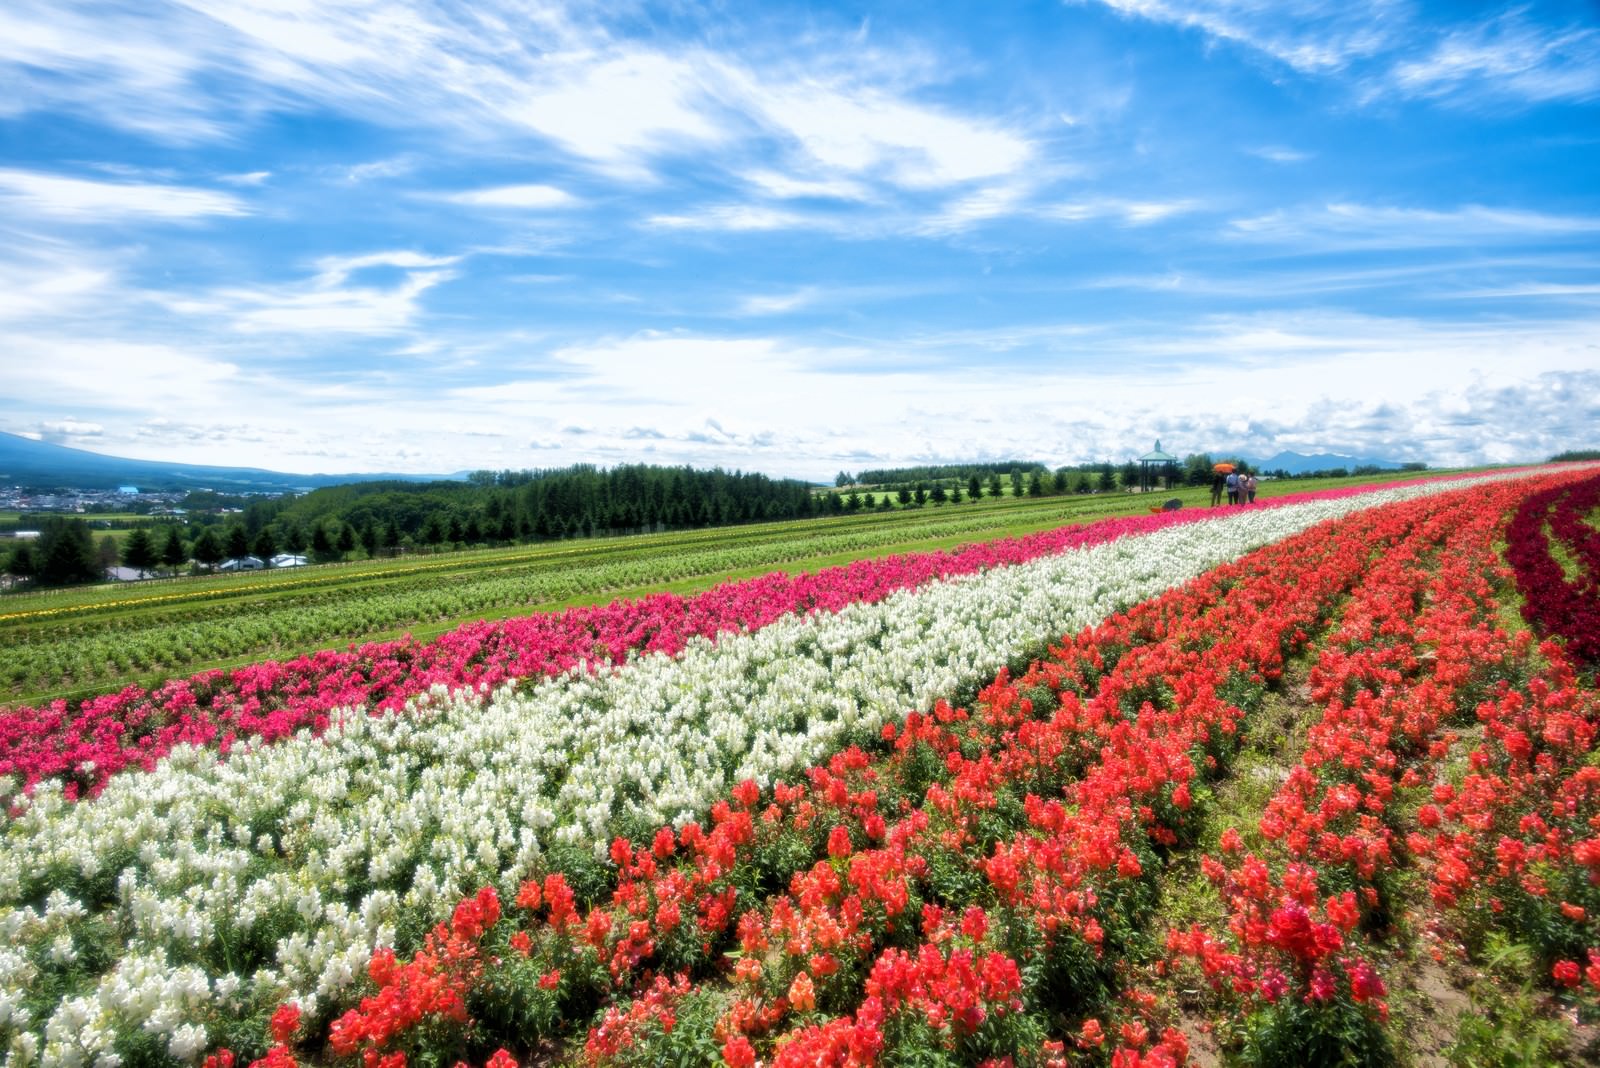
361, 235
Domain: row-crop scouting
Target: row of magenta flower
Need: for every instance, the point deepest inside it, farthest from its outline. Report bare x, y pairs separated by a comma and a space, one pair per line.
81, 745
986, 885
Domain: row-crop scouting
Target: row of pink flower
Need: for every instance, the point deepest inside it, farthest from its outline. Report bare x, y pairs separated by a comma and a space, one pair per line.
82, 744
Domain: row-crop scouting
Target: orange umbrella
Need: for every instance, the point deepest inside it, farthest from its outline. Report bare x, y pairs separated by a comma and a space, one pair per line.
1222, 469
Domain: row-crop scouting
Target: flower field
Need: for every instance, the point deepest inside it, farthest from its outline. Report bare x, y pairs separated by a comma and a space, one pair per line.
992, 805
83, 743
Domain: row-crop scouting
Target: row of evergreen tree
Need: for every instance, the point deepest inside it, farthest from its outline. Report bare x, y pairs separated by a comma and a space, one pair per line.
897, 476
381, 518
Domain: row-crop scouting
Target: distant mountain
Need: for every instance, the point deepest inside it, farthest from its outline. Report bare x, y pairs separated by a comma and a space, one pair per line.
26, 462
1297, 463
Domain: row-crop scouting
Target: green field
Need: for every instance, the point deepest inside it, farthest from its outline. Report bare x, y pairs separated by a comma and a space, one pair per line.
72, 642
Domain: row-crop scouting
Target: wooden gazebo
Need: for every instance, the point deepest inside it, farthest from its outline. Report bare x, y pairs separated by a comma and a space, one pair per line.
1155, 465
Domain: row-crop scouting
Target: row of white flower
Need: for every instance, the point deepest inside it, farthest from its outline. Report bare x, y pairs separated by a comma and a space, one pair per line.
319, 847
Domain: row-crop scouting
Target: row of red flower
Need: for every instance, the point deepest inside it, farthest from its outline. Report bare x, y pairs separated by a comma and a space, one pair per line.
1516, 845
972, 889
82, 744
1414, 647
1560, 606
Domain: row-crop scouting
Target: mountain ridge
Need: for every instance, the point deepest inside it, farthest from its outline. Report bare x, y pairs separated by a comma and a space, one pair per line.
25, 461
1297, 463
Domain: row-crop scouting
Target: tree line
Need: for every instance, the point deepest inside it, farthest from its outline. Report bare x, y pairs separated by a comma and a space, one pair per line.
383, 518
895, 476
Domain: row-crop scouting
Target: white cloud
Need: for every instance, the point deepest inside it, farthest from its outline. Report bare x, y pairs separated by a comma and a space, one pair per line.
377, 169
487, 71
612, 109
331, 270
778, 303
787, 187
83, 201
981, 205
71, 428
861, 130
329, 302
133, 70
1504, 57
44, 281
1559, 290
736, 217
1311, 36
1296, 379
1310, 380
248, 179
1279, 154
514, 196
113, 375
1131, 212
1349, 225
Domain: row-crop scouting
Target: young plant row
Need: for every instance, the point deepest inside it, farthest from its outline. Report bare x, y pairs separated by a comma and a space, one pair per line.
182, 903
973, 891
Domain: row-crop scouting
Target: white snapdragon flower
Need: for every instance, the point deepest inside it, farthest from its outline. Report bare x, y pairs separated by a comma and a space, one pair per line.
187, 1043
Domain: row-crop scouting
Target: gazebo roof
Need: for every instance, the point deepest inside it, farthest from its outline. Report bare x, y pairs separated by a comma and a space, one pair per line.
1157, 456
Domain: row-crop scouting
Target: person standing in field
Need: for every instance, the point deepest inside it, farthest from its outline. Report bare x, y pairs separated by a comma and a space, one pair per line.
1216, 488
1248, 487
1233, 487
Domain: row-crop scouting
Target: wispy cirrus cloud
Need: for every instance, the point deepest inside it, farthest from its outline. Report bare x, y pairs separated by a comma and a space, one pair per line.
514, 196
1130, 212
1388, 49
251, 178
1503, 58
1345, 225
785, 186
737, 217
48, 280
861, 130
988, 202
482, 72
331, 301
778, 303
1584, 291
83, 200
1311, 36
1279, 154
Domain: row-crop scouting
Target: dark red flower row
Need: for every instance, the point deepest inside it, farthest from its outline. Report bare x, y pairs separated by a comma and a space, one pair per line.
1559, 606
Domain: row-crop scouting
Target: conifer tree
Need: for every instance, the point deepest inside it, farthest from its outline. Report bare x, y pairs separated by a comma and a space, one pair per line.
174, 554
208, 548
138, 553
